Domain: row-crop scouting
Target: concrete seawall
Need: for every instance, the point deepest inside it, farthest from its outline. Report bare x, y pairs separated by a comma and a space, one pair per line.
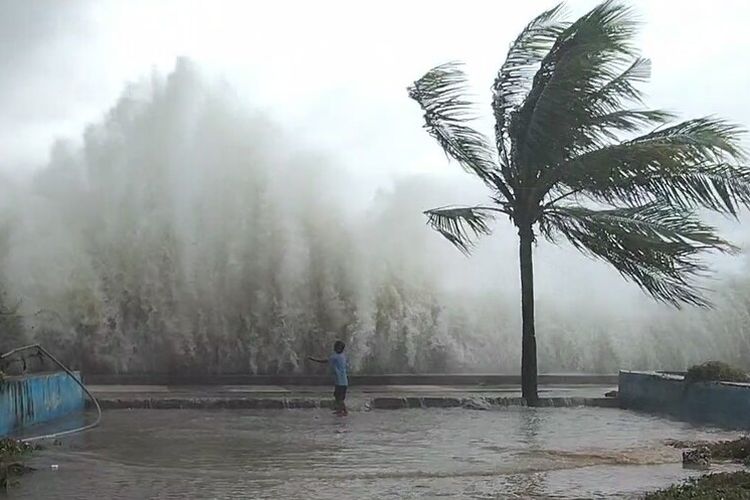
35, 399
458, 379
379, 403
720, 403
390, 397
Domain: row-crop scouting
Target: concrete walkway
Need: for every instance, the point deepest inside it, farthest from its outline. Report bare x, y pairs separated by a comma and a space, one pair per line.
439, 379
590, 390
381, 396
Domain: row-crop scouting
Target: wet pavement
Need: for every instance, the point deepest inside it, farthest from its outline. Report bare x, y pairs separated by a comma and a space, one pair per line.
513, 452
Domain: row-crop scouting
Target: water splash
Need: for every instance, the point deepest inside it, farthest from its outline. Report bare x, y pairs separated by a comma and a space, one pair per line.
188, 232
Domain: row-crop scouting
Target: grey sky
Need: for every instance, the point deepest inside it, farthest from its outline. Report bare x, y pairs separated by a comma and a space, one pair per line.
333, 72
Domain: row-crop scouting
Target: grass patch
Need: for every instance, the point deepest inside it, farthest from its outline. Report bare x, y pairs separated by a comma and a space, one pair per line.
13, 448
724, 486
714, 371
11, 451
737, 450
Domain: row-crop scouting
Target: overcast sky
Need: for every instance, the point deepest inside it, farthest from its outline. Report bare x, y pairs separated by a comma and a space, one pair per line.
332, 72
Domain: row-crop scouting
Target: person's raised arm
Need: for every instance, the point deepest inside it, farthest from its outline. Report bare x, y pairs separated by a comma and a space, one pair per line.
318, 360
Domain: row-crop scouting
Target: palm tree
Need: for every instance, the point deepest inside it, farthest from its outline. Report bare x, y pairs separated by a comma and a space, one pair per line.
571, 162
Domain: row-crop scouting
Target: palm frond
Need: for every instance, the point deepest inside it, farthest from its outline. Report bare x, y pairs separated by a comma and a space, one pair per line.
447, 114
567, 89
705, 137
601, 130
622, 87
654, 245
513, 81
461, 225
689, 164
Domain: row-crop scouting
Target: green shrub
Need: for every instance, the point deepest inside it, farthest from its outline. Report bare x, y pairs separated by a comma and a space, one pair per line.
10, 448
714, 371
737, 450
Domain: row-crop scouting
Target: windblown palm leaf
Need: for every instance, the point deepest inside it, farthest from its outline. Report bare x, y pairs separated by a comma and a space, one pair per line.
514, 78
655, 245
563, 134
685, 165
459, 224
446, 111
577, 153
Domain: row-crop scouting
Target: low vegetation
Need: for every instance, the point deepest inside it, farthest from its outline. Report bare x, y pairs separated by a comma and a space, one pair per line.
713, 371
11, 452
724, 486
735, 450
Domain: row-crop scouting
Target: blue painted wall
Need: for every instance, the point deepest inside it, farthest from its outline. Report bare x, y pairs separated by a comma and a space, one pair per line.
39, 398
721, 403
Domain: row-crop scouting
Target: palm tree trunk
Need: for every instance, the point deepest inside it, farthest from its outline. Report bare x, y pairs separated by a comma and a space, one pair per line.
528, 345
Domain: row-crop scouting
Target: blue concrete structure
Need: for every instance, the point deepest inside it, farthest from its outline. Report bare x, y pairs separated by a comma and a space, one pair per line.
39, 398
720, 403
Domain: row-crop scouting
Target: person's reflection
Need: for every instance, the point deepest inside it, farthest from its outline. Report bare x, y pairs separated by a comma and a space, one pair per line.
530, 482
531, 419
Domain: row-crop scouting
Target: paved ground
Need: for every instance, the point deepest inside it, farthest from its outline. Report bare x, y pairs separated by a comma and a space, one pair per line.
437, 379
106, 391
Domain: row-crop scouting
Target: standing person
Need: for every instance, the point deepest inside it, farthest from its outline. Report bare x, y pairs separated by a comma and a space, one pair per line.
337, 362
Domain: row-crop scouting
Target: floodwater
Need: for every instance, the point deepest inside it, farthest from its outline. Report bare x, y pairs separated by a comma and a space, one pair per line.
312, 454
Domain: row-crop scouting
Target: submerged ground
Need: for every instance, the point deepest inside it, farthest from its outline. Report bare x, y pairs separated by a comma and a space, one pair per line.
419, 453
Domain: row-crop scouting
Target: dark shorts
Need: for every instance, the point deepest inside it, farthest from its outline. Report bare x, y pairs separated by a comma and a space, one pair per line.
339, 392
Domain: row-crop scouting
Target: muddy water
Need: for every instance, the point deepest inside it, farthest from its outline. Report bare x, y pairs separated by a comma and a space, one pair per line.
311, 454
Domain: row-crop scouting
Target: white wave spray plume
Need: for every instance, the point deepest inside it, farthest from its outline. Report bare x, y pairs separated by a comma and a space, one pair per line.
190, 233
